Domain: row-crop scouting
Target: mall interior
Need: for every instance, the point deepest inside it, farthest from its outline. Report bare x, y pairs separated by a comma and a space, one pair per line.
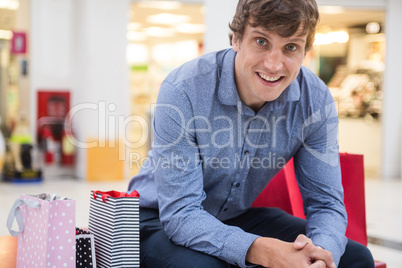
78, 80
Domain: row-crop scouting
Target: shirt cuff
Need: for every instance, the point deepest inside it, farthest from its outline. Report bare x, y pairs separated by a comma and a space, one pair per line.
236, 247
329, 244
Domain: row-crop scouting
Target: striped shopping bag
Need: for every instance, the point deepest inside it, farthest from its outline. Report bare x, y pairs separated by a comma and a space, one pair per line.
114, 219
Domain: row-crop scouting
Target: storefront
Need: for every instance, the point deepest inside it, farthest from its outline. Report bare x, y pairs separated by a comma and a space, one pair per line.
112, 65
348, 55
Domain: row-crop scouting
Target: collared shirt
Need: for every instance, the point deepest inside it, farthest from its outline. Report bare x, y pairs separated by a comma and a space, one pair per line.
212, 155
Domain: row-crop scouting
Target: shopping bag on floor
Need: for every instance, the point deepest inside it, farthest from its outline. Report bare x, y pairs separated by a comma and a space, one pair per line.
114, 221
46, 235
352, 168
85, 249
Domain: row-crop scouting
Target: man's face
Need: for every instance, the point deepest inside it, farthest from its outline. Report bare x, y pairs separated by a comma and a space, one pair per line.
266, 64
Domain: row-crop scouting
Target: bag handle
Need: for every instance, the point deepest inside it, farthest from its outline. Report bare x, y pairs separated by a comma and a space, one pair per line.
49, 197
115, 194
15, 213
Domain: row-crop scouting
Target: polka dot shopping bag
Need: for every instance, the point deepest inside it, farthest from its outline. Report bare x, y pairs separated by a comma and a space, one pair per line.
85, 247
46, 236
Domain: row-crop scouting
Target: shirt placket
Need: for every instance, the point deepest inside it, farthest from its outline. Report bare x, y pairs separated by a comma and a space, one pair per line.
248, 150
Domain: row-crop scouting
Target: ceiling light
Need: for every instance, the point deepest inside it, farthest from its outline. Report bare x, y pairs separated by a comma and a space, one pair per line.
331, 38
162, 53
136, 36
372, 28
331, 9
137, 53
177, 52
9, 4
160, 32
4, 34
186, 50
134, 26
167, 19
190, 28
164, 5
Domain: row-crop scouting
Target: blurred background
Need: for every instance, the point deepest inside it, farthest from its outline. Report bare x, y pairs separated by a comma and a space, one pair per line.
78, 80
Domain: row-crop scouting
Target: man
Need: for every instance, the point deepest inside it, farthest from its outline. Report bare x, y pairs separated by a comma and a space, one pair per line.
224, 125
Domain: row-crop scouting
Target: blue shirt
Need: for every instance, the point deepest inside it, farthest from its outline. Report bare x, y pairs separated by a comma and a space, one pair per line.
212, 156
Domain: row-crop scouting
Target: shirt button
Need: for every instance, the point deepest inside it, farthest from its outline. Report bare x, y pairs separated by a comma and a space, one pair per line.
237, 184
225, 209
246, 153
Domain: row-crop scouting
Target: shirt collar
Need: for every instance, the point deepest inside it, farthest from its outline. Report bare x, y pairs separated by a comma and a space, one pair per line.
227, 90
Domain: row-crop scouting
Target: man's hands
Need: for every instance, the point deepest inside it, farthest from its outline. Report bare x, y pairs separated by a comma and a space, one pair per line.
274, 253
321, 257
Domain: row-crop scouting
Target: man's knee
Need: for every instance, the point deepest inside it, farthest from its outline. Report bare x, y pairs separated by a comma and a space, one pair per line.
356, 256
180, 257
156, 250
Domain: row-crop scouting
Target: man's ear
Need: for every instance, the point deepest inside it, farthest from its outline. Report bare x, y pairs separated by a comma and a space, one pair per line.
235, 43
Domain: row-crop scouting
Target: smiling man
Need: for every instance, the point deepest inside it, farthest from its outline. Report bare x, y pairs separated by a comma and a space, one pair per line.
266, 64
234, 118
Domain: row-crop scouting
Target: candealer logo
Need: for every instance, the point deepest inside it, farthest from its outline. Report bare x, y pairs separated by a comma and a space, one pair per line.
217, 132
234, 130
110, 127
330, 153
178, 162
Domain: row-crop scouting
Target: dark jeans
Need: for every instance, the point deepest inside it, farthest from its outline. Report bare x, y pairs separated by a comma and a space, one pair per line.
158, 251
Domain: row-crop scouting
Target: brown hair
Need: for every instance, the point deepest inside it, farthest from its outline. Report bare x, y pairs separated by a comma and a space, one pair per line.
282, 16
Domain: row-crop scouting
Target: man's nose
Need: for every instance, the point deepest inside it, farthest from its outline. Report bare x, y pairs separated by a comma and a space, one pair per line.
274, 60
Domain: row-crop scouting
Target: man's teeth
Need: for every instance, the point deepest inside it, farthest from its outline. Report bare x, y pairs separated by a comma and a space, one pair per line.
269, 78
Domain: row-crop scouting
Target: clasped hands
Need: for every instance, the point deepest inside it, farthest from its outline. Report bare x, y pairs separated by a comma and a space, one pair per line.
302, 253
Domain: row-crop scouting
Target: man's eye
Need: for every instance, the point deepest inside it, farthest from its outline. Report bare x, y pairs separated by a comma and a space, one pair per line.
291, 47
261, 42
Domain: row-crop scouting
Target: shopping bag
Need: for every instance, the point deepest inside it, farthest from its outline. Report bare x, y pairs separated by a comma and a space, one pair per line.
46, 235
352, 168
283, 192
85, 249
114, 221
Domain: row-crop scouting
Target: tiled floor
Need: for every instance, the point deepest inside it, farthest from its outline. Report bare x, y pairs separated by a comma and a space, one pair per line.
383, 199
384, 219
